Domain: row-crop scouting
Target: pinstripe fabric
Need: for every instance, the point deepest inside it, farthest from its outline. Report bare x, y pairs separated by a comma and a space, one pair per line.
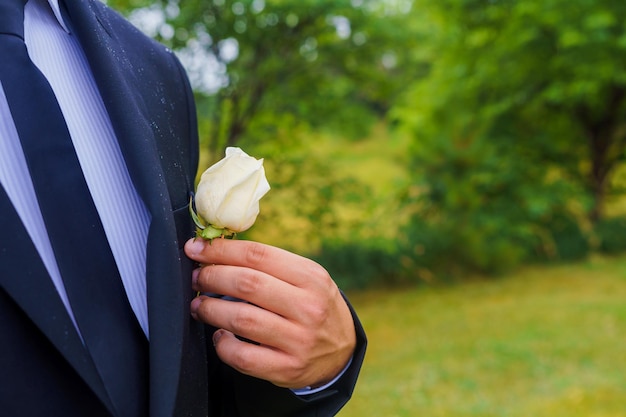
124, 216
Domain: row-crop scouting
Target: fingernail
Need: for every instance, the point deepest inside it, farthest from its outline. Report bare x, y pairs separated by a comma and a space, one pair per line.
217, 336
195, 246
194, 278
195, 303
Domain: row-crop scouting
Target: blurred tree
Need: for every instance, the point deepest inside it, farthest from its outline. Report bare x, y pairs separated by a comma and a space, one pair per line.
331, 64
518, 128
548, 74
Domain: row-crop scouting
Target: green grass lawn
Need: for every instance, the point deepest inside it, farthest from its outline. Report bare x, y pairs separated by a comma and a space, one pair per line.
546, 341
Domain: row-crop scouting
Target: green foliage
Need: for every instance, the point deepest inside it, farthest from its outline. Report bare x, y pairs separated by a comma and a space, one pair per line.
611, 233
335, 65
516, 111
361, 264
570, 241
309, 201
518, 129
481, 206
552, 71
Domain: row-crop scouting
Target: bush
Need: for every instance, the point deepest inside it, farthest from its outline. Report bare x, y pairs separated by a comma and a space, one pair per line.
455, 249
612, 235
569, 240
485, 203
357, 265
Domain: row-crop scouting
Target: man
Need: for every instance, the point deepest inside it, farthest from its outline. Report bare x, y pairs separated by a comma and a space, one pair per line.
294, 350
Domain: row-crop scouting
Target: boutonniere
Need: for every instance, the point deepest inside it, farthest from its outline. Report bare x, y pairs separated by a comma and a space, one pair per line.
227, 198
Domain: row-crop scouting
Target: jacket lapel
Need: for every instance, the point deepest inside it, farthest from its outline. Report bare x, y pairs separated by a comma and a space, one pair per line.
25, 279
131, 121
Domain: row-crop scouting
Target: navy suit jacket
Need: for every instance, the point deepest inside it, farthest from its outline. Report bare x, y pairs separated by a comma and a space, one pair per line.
44, 369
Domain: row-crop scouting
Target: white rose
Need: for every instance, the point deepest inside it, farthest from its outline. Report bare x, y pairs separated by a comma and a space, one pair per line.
228, 194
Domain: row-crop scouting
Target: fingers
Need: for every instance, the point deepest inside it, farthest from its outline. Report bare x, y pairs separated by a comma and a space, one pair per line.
307, 351
247, 284
259, 361
287, 266
246, 320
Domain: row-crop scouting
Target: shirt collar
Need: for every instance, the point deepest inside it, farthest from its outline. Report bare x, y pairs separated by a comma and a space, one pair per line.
56, 9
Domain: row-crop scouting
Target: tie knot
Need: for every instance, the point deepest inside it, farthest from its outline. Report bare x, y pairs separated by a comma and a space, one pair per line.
12, 17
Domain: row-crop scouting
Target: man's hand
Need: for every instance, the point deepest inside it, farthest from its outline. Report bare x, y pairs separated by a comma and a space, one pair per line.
295, 312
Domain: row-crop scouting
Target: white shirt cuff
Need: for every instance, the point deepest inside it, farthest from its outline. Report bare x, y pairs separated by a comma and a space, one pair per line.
309, 390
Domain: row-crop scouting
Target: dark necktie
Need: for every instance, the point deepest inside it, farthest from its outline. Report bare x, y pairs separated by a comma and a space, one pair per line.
105, 319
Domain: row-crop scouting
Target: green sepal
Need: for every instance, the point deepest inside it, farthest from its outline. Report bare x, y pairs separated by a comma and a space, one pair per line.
199, 221
209, 232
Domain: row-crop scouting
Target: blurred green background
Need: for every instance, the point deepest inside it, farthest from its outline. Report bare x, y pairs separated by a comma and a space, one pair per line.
458, 167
